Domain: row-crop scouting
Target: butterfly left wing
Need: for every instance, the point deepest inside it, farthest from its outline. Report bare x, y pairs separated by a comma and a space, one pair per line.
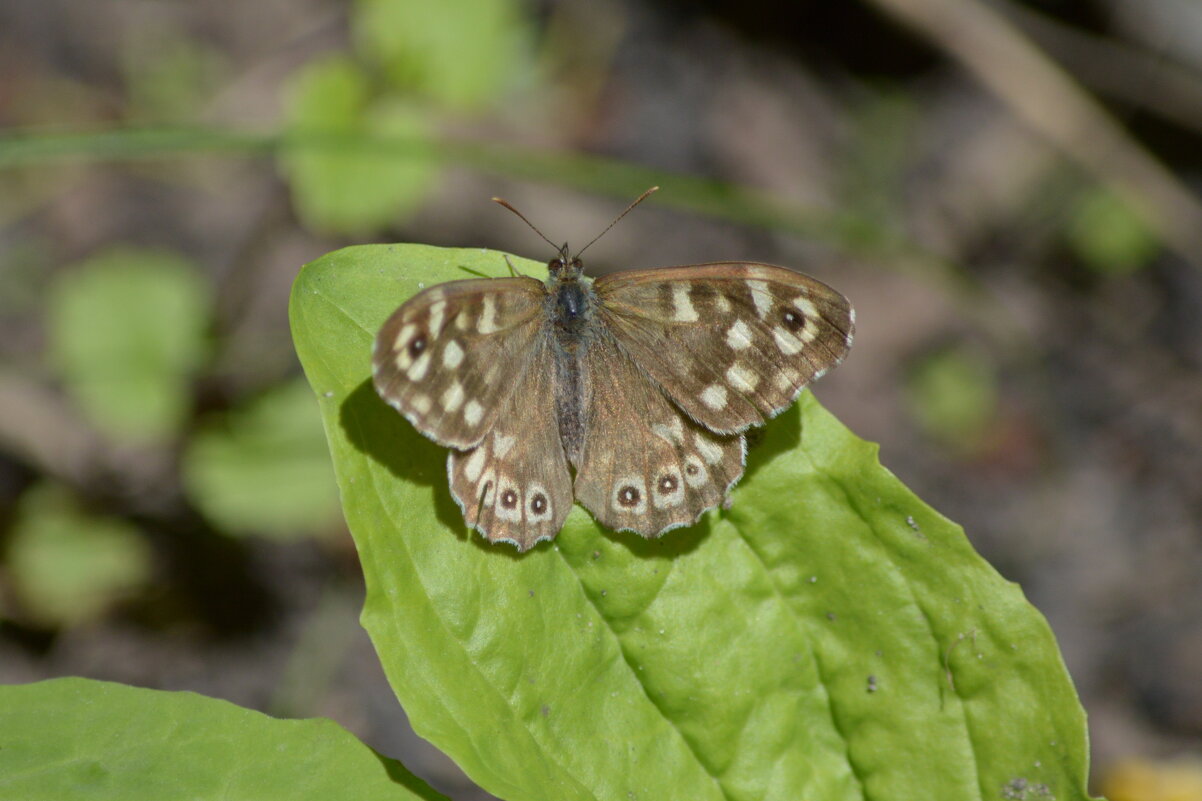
514, 485
732, 344
445, 358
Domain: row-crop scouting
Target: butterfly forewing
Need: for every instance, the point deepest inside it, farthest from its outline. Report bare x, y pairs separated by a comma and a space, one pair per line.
645, 466
446, 358
732, 344
514, 485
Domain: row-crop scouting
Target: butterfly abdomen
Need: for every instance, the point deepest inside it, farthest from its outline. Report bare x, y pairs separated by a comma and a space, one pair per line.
570, 321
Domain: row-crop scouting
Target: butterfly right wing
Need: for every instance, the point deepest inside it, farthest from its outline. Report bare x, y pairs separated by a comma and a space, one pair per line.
514, 486
732, 343
645, 465
447, 357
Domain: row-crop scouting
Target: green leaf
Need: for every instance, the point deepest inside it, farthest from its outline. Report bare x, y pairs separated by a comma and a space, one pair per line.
339, 182
127, 332
458, 53
264, 469
67, 565
81, 739
830, 636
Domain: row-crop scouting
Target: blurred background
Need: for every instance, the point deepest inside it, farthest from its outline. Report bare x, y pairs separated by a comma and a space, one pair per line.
1007, 191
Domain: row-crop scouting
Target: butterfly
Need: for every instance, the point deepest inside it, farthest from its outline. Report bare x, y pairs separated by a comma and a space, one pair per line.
629, 393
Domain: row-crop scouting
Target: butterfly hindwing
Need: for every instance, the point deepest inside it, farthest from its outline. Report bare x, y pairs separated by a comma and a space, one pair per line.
644, 465
446, 358
514, 485
732, 344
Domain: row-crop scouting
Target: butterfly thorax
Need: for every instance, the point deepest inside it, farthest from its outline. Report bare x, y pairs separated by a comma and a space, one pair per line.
571, 302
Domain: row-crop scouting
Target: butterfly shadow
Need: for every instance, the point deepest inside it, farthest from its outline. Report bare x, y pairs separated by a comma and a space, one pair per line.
779, 436
669, 545
383, 436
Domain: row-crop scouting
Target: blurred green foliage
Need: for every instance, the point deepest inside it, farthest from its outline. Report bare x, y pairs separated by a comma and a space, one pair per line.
69, 565
953, 394
346, 186
127, 331
359, 123
264, 468
168, 78
456, 54
1108, 236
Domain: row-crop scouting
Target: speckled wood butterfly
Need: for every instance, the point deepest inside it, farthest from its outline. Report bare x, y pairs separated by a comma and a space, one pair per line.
629, 393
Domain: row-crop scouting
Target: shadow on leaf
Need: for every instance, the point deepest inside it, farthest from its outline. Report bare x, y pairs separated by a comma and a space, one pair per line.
387, 438
779, 436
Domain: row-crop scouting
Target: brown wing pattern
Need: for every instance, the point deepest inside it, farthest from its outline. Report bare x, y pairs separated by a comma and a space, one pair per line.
732, 344
645, 466
514, 486
447, 357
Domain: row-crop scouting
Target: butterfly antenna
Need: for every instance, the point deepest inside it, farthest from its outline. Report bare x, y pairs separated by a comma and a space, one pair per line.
636, 202
505, 203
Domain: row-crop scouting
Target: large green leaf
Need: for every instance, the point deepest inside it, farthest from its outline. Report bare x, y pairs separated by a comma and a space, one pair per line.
830, 636
81, 739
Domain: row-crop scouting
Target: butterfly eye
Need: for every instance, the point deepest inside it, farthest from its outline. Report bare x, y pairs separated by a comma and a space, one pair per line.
417, 346
794, 321
509, 499
629, 496
667, 484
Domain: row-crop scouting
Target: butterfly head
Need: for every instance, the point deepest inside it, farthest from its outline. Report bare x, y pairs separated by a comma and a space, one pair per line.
564, 268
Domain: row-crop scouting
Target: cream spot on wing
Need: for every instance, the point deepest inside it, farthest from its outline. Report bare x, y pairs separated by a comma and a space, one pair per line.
668, 488
761, 297
738, 336
722, 302
805, 306
417, 371
671, 432
502, 444
472, 413
453, 398
809, 331
474, 465
788, 379
420, 403
788, 344
714, 396
709, 450
629, 495
437, 312
488, 317
538, 504
463, 320
741, 378
403, 336
695, 473
452, 355
682, 307
400, 346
